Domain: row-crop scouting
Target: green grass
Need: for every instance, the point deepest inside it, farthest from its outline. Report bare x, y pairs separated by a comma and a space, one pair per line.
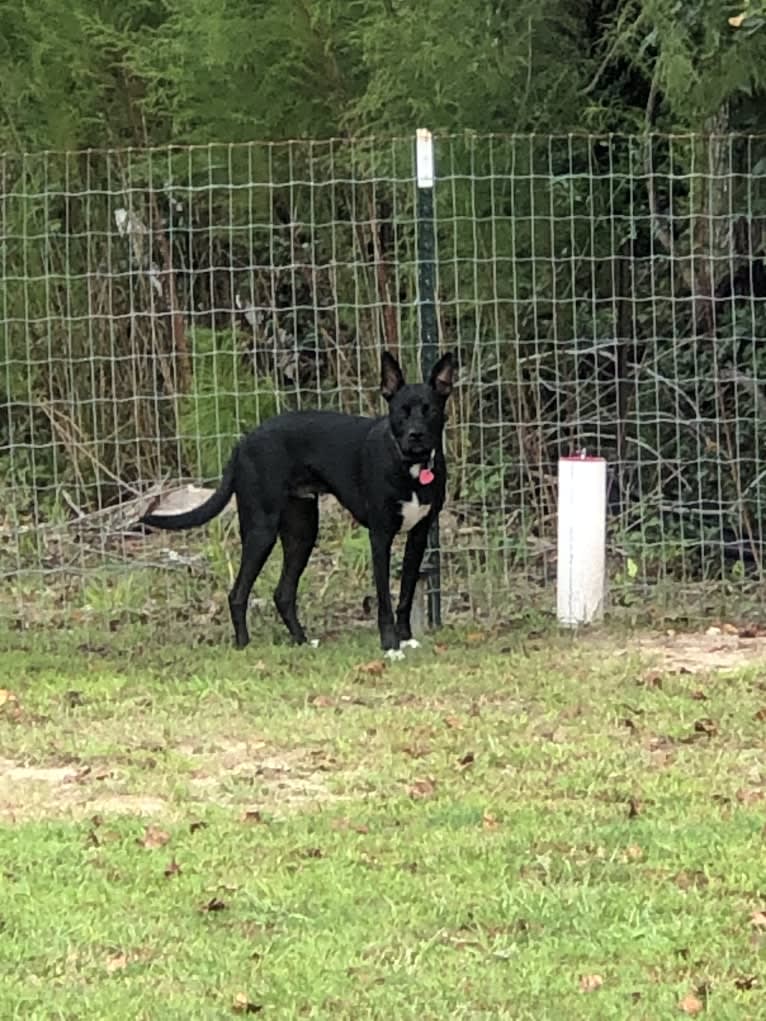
476, 832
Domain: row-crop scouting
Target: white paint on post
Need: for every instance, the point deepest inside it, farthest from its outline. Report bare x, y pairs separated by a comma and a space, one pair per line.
424, 149
581, 564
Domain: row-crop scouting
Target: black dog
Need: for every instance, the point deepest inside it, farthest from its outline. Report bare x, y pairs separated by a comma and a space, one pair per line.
388, 472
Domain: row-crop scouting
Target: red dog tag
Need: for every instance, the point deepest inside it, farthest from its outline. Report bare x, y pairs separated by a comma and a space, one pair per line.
426, 476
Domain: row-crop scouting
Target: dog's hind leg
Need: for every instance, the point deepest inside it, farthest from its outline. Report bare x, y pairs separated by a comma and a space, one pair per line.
258, 530
298, 527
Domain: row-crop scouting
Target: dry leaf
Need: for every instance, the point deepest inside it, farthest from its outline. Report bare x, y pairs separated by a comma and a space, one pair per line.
737, 20
706, 726
691, 1005
699, 695
214, 904
116, 962
422, 788
634, 808
489, 822
467, 760
440, 648
9, 705
198, 824
557, 736
322, 702
474, 637
730, 629
749, 795
633, 852
243, 1005
758, 919
153, 838
172, 868
746, 982
101, 837
251, 815
313, 852
417, 751
374, 668
590, 983
760, 715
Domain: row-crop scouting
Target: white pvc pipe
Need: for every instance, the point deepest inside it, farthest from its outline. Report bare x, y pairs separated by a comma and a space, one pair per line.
581, 565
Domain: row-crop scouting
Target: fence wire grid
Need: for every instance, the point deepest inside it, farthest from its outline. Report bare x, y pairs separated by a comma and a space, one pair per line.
604, 293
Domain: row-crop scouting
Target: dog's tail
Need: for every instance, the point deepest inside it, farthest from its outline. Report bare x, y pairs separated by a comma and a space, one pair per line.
202, 514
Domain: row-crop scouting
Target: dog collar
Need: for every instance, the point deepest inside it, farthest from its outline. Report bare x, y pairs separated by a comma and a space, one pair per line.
424, 473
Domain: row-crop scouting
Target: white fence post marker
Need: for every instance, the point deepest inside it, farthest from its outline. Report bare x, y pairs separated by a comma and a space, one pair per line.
581, 563
424, 158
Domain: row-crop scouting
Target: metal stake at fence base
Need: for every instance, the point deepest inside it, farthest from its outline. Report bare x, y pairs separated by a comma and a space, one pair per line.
426, 605
581, 565
419, 614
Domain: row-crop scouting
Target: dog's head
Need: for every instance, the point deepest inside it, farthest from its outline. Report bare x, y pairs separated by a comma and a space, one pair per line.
416, 410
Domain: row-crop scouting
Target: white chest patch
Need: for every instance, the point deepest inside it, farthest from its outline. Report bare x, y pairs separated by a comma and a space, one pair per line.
413, 511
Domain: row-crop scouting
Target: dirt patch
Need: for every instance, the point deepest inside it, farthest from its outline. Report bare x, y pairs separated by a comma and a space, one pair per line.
42, 792
714, 650
281, 781
234, 774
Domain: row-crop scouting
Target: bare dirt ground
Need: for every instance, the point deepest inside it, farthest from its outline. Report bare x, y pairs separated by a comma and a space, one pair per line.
285, 782
714, 650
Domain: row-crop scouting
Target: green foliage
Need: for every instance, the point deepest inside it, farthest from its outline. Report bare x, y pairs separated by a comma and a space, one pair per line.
149, 71
223, 401
483, 67
696, 60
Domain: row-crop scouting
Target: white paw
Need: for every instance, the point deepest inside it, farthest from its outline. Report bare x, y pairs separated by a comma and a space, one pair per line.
393, 654
314, 643
410, 643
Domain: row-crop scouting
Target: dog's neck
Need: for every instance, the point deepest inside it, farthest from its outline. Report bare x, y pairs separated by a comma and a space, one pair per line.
414, 467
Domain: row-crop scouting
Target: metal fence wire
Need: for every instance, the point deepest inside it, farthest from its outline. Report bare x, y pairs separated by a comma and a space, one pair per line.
604, 293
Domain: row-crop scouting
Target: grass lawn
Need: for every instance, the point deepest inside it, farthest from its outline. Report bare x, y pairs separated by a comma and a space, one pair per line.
503, 826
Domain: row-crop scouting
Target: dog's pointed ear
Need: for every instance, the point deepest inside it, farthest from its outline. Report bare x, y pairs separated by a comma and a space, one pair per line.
443, 376
391, 377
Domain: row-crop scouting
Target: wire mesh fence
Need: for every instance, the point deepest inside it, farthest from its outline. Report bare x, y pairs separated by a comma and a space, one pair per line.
601, 292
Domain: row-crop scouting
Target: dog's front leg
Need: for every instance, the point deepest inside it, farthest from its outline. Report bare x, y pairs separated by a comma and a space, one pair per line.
413, 558
380, 542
